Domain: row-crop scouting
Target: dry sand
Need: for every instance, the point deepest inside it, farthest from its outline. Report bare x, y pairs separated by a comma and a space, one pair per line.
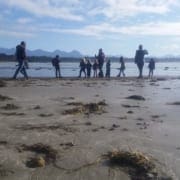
33, 111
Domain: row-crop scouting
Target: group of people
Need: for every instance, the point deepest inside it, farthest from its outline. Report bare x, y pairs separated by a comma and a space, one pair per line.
85, 64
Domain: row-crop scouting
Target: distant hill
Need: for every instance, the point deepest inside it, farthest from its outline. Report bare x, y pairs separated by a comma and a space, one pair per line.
39, 52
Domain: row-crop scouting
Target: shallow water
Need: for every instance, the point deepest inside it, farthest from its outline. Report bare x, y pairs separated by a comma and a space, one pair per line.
72, 69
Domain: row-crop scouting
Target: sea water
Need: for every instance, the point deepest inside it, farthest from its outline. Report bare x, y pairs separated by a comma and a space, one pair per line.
72, 69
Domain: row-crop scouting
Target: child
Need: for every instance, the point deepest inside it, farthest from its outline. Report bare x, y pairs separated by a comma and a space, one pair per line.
108, 68
88, 67
122, 68
95, 67
151, 67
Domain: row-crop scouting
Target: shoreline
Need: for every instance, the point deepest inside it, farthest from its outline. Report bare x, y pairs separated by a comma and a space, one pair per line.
98, 78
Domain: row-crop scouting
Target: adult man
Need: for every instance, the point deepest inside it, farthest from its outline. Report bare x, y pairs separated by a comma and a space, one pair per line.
139, 59
55, 63
101, 59
21, 58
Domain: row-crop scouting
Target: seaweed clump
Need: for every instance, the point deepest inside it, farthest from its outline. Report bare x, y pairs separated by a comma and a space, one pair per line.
86, 108
45, 154
10, 107
136, 97
4, 98
137, 164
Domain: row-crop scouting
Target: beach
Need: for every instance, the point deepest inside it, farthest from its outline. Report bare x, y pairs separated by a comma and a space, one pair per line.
72, 123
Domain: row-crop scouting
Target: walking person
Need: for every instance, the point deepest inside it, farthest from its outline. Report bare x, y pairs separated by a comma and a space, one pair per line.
95, 68
108, 68
101, 59
151, 67
82, 66
139, 59
122, 67
21, 58
55, 63
88, 67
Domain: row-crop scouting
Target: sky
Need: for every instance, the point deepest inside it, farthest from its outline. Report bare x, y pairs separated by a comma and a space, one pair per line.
116, 26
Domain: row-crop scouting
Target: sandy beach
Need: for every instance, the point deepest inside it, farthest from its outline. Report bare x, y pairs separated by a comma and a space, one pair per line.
57, 120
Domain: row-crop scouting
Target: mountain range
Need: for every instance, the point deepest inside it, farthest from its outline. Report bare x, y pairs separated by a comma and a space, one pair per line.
40, 52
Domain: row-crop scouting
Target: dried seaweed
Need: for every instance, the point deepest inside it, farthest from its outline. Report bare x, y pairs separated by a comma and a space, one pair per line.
137, 164
45, 115
85, 108
75, 104
35, 162
129, 106
10, 107
4, 98
13, 114
37, 107
48, 154
136, 97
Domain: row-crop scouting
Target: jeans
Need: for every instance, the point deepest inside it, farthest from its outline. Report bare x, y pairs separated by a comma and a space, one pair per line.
21, 69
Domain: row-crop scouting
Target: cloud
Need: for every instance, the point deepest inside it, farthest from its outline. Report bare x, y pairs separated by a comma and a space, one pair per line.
154, 28
78, 10
24, 20
107, 29
45, 8
116, 9
16, 34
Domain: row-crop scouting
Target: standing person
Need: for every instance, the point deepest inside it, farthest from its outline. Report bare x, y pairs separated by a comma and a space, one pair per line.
139, 59
151, 67
95, 67
55, 63
122, 67
21, 58
82, 66
108, 68
88, 67
101, 59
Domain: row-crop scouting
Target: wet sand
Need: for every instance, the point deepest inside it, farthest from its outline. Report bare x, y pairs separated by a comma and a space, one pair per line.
32, 112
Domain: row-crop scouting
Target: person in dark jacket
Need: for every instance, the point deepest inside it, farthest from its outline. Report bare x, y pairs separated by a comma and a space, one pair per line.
88, 67
108, 68
21, 58
82, 66
55, 63
101, 59
151, 67
95, 67
122, 67
139, 59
